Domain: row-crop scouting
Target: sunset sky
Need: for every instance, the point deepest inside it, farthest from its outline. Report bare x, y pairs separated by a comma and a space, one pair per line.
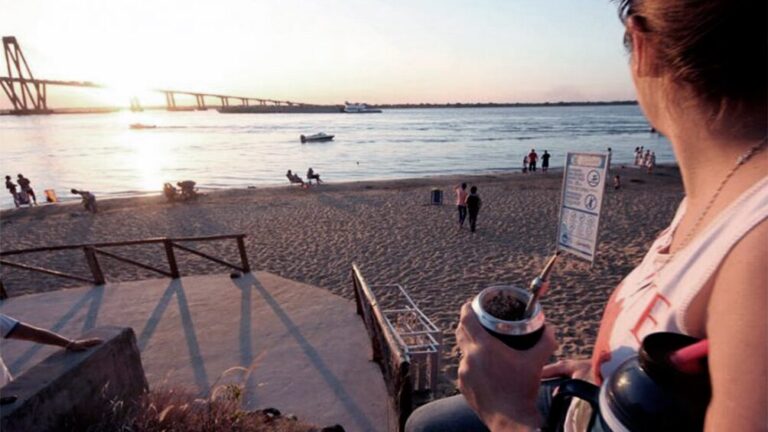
328, 51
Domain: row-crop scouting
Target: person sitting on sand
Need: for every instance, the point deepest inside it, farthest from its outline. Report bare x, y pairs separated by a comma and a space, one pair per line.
170, 192
188, 191
311, 175
89, 199
26, 186
12, 190
13, 329
704, 276
294, 178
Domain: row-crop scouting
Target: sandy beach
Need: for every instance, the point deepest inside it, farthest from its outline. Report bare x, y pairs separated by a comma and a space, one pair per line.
388, 228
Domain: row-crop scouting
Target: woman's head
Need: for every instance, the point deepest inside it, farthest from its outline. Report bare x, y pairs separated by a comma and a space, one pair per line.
715, 51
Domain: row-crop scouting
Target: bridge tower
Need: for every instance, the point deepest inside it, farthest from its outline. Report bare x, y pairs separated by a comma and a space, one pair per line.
27, 95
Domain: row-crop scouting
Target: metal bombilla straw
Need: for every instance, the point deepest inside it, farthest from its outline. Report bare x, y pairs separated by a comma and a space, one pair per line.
540, 285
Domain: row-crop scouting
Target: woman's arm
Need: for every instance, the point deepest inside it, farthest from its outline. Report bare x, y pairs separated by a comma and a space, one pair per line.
738, 338
27, 332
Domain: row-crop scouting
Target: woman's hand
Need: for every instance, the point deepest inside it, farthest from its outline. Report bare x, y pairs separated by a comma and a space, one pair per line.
82, 344
576, 369
500, 383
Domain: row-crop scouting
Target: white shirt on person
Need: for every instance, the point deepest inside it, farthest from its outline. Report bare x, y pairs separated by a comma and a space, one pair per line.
7, 325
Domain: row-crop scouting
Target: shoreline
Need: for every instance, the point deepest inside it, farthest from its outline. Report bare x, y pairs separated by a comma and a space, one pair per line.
351, 185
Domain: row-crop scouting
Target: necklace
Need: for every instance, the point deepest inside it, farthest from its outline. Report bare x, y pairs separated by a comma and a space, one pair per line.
741, 160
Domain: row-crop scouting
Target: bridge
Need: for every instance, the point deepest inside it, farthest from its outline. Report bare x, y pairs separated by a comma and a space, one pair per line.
28, 95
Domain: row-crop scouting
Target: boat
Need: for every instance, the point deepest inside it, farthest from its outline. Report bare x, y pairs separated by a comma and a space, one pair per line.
359, 108
318, 137
142, 126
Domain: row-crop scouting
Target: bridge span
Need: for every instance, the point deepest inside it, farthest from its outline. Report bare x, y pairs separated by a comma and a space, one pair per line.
29, 95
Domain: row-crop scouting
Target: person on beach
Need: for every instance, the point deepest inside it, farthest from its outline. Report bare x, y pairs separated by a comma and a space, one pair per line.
545, 161
311, 175
704, 276
188, 191
461, 202
11, 328
89, 199
525, 164
12, 190
26, 186
616, 182
473, 207
294, 178
532, 159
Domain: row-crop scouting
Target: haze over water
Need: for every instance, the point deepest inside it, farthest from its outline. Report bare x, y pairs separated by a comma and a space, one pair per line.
98, 152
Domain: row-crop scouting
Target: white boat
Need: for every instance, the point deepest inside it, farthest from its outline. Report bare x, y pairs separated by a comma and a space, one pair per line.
359, 108
318, 137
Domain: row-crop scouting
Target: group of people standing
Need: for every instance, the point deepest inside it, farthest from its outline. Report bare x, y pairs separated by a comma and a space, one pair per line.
645, 158
21, 193
468, 204
531, 159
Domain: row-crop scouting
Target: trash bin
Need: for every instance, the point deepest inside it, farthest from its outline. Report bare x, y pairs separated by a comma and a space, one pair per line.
436, 196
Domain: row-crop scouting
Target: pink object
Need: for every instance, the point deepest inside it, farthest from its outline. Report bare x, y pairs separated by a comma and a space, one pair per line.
688, 359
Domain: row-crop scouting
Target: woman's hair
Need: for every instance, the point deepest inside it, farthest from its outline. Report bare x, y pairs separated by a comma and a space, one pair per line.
719, 48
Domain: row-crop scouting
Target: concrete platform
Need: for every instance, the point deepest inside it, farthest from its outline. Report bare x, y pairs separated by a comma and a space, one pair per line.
308, 350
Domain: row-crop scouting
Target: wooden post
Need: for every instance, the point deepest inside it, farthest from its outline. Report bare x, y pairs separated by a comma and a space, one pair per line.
243, 254
93, 264
171, 258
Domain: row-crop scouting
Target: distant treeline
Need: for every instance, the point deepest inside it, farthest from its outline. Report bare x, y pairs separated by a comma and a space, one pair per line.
503, 105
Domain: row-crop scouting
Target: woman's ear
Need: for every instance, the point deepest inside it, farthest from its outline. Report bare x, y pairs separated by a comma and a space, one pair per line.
644, 64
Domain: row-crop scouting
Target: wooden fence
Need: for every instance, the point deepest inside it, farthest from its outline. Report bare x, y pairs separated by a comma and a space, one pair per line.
92, 251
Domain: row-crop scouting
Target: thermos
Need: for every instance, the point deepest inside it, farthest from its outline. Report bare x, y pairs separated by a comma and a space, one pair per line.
648, 392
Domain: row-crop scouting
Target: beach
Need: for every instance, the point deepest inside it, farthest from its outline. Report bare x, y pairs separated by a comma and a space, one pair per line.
387, 227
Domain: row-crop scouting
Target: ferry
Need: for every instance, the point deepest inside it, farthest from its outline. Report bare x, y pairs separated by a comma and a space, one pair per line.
359, 108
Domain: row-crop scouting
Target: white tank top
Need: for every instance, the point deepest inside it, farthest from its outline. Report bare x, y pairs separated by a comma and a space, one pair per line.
657, 294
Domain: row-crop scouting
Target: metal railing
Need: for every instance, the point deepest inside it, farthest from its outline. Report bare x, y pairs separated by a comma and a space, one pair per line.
92, 251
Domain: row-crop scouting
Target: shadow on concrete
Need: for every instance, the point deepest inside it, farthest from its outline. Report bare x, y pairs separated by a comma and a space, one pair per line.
94, 296
175, 287
357, 414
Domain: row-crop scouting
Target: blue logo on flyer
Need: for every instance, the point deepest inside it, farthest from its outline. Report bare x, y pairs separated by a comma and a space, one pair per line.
593, 178
590, 202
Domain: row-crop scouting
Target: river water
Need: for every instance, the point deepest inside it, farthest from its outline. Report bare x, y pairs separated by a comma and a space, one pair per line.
100, 153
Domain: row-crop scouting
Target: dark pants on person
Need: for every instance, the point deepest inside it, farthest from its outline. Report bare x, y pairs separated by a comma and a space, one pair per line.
473, 218
453, 414
532, 166
462, 214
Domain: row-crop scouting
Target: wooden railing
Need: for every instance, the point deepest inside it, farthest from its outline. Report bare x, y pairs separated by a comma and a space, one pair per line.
93, 250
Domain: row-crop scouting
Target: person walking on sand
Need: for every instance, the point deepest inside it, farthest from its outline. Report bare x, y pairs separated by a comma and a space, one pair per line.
12, 190
473, 207
461, 203
25, 186
545, 161
532, 159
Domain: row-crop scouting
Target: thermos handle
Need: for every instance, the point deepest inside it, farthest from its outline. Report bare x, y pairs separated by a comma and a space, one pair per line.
561, 401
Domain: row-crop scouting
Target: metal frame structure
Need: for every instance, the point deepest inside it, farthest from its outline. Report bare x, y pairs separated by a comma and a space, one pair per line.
419, 337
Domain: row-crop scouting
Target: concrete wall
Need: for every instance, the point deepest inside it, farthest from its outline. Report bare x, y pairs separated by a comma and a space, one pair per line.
69, 388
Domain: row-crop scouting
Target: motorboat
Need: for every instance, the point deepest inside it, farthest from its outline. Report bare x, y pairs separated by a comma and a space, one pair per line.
142, 126
359, 108
318, 137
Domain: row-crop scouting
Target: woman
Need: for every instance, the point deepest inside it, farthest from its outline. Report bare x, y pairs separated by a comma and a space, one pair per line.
699, 69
